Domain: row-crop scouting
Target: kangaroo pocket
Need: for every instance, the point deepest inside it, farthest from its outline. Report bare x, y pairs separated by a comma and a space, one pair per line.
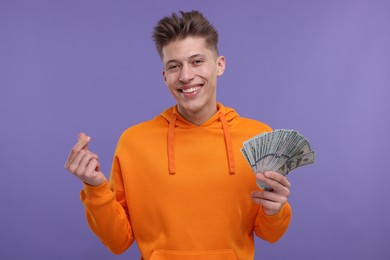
222, 254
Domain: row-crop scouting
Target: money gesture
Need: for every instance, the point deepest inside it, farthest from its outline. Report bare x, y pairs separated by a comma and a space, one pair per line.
83, 163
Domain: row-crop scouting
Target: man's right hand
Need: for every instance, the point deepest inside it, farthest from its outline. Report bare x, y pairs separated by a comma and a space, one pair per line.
85, 164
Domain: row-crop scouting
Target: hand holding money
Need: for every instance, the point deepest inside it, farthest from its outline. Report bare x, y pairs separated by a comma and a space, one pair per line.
273, 201
280, 151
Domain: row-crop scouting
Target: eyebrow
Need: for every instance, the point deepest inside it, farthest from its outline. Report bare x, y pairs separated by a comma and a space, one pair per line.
189, 58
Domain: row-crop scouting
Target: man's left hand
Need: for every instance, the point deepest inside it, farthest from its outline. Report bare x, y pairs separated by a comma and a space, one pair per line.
272, 201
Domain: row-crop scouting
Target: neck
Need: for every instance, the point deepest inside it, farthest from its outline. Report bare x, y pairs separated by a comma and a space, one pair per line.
198, 117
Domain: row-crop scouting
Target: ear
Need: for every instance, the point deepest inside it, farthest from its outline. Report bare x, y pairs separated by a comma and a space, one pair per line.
164, 77
221, 64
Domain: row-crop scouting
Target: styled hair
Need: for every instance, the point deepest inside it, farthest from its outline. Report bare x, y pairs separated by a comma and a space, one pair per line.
175, 27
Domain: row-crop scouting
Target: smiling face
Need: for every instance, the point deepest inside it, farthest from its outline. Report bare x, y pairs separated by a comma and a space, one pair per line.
191, 70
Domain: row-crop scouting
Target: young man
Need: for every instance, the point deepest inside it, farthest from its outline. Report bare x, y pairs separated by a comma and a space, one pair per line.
193, 196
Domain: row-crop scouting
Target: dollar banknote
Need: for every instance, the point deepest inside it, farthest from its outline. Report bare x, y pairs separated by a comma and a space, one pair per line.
281, 150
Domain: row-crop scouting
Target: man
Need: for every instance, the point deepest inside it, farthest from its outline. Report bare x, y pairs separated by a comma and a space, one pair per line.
192, 196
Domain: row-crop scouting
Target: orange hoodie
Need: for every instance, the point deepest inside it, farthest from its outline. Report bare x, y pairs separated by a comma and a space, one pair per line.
183, 191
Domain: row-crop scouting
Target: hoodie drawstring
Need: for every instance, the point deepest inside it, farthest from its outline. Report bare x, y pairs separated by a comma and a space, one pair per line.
228, 143
171, 144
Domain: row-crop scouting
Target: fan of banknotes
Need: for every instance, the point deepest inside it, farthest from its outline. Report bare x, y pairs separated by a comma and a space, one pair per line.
281, 150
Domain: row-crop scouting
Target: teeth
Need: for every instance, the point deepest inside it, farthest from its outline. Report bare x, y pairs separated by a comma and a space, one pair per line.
193, 89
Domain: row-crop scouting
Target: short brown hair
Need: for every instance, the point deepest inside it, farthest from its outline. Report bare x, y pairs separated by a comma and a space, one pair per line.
174, 27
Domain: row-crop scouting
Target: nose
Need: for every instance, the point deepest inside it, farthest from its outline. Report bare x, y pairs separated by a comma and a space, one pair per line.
186, 73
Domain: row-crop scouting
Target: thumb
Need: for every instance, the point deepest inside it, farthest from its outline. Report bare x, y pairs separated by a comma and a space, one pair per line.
82, 136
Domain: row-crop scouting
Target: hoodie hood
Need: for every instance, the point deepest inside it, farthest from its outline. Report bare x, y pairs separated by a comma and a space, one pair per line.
221, 119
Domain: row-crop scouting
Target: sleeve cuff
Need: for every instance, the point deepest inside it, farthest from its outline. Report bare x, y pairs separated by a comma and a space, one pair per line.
97, 194
280, 216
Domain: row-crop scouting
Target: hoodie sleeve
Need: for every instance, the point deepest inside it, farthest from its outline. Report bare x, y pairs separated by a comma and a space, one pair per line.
272, 228
107, 214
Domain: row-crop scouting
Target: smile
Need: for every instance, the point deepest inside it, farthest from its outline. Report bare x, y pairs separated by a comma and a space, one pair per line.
191, 89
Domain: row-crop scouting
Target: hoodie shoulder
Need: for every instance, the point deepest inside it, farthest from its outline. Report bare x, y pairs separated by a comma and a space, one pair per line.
249, 122
236, 119
146, 128
247, 127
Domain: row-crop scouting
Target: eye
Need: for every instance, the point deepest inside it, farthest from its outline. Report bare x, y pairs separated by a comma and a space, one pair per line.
172, 67
197, 62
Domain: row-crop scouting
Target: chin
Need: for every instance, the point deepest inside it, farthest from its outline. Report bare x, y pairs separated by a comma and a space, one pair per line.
191, 106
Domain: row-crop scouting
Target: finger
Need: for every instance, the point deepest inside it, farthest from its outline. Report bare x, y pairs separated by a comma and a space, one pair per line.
90, 170
81, 144
278, 178
267, 204
269, 196
81, 161
92, 175
273, 177
85, 161
74, 165
271, 204
272, 180
80, 137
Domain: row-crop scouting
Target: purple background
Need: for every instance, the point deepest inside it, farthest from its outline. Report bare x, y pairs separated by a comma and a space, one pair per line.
320, 67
